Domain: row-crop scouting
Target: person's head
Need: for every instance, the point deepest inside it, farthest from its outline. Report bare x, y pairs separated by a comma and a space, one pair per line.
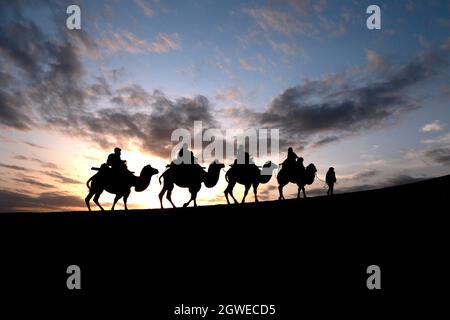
331, 169
117, 151
290, 150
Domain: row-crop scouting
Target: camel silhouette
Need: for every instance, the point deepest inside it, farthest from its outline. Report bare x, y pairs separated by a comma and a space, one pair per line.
247, 175
117, 183
299, 176
189, 176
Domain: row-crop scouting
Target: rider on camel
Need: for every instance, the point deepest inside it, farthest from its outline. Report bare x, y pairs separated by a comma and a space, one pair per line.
115, 162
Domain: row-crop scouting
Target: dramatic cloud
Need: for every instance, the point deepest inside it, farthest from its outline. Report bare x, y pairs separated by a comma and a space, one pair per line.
44, 84
132, 95
326, 110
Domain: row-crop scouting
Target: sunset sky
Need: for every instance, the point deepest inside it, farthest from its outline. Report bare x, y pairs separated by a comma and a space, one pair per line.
374, 104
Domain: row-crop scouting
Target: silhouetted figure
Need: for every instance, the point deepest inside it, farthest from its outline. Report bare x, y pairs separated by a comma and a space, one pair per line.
191, 177
115, 162
249, 175
118, 184
330, 179
290, 159
300, 176
185, 156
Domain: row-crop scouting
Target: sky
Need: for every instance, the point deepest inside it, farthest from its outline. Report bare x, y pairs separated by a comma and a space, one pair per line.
374, 104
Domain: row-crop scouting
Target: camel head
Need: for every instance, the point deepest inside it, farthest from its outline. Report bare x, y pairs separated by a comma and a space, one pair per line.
212, 176
310, 173
268, 167
266, 171
143, 180
216, 166
149, 171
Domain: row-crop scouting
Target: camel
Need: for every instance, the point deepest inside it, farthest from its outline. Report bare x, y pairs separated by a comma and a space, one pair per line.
120, 185
189, 176
248, 175
301, 177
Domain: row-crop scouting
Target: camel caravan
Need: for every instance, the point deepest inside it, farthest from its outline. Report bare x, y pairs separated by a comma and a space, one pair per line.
184, 172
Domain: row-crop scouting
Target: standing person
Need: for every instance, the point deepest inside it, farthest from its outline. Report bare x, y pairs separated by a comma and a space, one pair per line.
330, 179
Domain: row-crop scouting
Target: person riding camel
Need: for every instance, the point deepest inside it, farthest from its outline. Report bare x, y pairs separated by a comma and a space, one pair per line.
300, 164
115, 162
184, 156
291, 160
243, 158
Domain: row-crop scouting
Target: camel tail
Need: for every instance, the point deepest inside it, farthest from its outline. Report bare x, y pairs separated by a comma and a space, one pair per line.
87, 183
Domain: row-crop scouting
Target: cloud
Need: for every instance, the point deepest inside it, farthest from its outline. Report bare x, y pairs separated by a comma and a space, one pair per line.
32, 181
270, 19
285, 48
376, 62
125, 41
13, 167
15, 201
246, 65
440, 155
444, 139
432, 126
396, 180
132, 95
150, 128
145, 7
44, 164
366, 174
61, 178
402, 179
34, 145
229, 94
326, 110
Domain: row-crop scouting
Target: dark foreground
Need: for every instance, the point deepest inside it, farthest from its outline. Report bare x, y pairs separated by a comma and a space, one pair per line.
301, 255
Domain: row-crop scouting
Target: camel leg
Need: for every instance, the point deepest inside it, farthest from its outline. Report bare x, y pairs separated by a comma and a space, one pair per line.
125, 199
280, 190
229, 190
193, 197
255, 191
96, 197
116, 198
226, 193
161, 195
169, 196
88, 199
298, 192
304, 193
247, 187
